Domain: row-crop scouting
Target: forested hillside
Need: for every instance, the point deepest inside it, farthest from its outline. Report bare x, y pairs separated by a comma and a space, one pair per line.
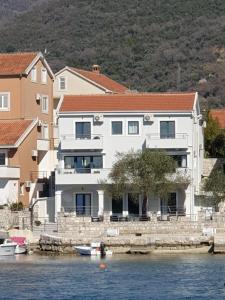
149, 45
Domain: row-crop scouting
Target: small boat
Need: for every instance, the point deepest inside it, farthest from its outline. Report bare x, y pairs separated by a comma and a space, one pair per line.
21, 247
7, 248
95, 249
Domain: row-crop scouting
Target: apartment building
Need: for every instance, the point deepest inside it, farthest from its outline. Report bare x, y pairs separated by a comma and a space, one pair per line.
93, 128
26, 133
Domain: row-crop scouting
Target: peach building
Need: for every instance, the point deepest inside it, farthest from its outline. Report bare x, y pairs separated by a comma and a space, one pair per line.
26, 127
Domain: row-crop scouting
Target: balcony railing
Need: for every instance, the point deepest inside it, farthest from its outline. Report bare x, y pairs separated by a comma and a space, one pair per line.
81, 176
9, 172
81, 142
155, 141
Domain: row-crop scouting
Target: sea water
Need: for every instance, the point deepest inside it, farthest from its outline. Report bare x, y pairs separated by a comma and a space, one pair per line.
125, 277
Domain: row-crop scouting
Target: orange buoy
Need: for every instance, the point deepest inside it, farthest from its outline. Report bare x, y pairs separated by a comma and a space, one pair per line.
102, 266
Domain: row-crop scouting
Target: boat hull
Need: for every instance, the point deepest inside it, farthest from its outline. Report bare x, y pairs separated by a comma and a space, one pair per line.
7, 250
86, 250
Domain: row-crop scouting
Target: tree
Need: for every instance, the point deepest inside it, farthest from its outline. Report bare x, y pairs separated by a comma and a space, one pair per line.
215, 184
145, 172
214, 138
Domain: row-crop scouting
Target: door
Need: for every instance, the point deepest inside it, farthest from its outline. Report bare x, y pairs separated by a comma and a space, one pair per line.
169, 205
83, 204
133, 204
117, 206
83, 130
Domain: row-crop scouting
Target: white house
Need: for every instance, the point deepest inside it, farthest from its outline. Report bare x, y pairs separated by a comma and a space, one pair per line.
93, 128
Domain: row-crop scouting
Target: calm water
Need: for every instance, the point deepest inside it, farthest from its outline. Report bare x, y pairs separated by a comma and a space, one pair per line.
126, 277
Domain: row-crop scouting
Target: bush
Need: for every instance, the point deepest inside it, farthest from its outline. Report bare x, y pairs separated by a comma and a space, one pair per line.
16, 206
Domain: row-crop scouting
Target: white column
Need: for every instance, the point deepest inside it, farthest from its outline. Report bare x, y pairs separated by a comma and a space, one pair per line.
58, 202
100, 202
125, 205
140, 204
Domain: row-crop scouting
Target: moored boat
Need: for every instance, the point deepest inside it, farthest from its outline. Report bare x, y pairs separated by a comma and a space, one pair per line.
21, 247
7, 248
95, 249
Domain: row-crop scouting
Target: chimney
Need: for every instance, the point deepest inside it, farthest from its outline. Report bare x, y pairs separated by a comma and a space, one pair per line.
96, 69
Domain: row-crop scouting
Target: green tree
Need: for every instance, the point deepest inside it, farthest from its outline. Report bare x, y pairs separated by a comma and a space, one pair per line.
214, 138
215, 184
147, 172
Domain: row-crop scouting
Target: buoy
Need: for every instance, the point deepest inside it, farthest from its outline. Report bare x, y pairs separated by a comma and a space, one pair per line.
102, 266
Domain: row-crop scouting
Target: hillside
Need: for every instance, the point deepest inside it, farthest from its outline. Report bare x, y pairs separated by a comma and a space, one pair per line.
149, 45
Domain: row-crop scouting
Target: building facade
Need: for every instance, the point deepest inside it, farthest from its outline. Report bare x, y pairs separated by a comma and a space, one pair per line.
26, 131
93, 128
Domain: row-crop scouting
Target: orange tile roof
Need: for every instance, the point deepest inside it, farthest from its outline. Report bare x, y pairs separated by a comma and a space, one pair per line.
129, 102
15, 63
102, 80
11, 130
219, 115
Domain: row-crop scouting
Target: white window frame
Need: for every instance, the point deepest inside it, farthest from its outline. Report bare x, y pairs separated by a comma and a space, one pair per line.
45, 127
45, 104
59, 82
133, 134
168, 119
8, 107
123, 131
44, 75
33, 74
6, 157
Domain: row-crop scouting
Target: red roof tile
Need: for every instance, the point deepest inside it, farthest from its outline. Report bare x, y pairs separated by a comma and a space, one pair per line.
15, 63
102, 80
129, 102
219, 115
11, 130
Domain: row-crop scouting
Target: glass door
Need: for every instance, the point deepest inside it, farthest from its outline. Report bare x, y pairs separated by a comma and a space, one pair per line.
83, 204
83, 130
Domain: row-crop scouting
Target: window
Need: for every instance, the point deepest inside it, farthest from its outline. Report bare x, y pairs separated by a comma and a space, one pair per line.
34, 74
133, 127
167, 129
4, 101
181, 160
83, 164
44, 104
117, 127
2, 159
83, 130
44, 131
44, 75
62, 83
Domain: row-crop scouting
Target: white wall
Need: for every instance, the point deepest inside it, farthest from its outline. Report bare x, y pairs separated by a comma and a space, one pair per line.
8, 191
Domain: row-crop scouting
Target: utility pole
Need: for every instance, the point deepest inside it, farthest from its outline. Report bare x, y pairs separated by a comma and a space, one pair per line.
178, 76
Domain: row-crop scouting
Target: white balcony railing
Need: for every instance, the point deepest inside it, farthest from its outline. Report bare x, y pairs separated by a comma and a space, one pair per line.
181, 175
9, 172
85, 142
81, 176
42, 144
154, 141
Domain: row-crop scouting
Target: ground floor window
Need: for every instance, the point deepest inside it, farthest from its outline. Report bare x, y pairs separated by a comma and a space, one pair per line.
83, 204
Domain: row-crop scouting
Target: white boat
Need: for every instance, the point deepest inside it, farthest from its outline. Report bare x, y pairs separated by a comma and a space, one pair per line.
95, 249
21, 244
7, 248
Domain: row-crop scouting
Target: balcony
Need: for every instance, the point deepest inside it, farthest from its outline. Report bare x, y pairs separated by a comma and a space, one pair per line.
42, 145
181, 175
180, 141
9, 172
87, 142
81, 176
